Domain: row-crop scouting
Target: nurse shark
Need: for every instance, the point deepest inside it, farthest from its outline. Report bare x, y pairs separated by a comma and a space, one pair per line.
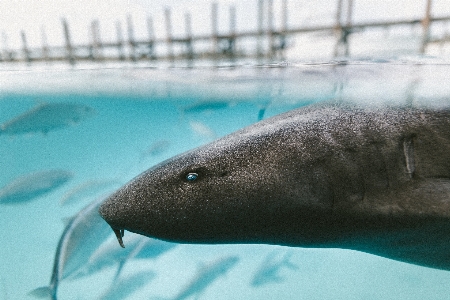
372, 179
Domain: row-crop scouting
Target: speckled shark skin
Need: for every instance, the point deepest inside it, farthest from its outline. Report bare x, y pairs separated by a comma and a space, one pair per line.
375, 180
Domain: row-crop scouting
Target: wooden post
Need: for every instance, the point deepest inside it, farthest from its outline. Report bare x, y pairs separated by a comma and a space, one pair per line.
45, 48
96, 42
348, 27
338, 28
120, 41
426, 27
270, 29
131, 41
8, 54
284, 27
232, 37
151, 39
343, 31
349, 13
215, 28
284, 20
259, 50
169, 38
338, 25
188, 28
26, 51
69, 48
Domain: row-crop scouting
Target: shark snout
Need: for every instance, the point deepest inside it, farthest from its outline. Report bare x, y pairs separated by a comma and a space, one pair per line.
109, 212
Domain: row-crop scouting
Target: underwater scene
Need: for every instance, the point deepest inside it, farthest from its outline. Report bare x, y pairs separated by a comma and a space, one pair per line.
71, 137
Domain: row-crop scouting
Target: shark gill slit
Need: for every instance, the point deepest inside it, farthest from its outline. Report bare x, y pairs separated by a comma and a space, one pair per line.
408, 150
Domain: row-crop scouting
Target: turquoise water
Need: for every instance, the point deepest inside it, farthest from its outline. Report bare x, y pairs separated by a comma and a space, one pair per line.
140, 116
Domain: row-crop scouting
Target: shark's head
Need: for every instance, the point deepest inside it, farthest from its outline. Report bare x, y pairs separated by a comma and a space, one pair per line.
241, 188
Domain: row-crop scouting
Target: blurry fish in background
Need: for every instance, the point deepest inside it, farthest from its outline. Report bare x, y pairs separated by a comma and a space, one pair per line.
80, 238
202, 130
31, 186
109, 253
86, 190
205, 276
261, 113
206, 106
123, 287
155, 149
46, 117
147, 249
268, 271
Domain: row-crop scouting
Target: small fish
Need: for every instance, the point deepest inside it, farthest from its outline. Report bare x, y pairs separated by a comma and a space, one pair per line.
202, 130
124, 287
80, 238
269, 269
146, 249
46, 117
109, 253
261, 113
85, 190
28, 187
203, 106
155, 149
206, 276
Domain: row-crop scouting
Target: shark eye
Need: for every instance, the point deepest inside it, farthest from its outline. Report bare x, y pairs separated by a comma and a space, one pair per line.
191, 176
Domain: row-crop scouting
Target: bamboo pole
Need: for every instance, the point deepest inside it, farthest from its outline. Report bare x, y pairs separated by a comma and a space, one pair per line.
188, 29
284, 27
348, 27
45, 48
96, 42
260, 30
120, 41
232, 37
169, 38
26, 51
8, 53
69, 49
342, 45
151, 38
131, 40
270, 28
215, 28
426, 27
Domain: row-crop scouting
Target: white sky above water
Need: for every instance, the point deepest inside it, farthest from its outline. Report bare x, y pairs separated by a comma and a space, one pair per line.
32, 15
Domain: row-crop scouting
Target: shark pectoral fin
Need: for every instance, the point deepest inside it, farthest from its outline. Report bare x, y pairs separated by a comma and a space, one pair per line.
415, 226
43, 292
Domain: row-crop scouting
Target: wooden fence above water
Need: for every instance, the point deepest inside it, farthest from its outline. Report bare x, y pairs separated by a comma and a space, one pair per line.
269, 41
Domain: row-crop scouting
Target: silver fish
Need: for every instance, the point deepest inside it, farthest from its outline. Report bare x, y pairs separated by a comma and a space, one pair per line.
109, 253
123, 287
80, 238
31, 186
46, 117
85, 190
268, 271
206, 275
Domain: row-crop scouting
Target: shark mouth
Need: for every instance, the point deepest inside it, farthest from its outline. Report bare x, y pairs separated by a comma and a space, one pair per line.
119, 235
